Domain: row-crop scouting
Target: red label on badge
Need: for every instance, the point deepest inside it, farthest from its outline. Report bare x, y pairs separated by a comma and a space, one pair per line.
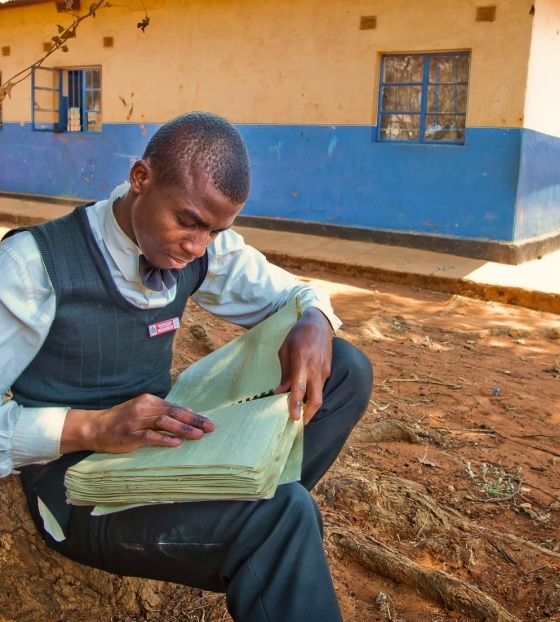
165, 326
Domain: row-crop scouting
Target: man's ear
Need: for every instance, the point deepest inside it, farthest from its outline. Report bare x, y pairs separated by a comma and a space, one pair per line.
141, 175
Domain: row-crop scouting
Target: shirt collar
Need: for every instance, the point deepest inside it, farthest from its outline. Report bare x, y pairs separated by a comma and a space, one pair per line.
121, 248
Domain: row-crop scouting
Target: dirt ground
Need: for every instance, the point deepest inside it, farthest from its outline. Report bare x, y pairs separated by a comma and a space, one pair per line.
445, 504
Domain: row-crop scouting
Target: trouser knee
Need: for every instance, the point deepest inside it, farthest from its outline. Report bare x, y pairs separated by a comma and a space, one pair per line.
299, 507
352, 373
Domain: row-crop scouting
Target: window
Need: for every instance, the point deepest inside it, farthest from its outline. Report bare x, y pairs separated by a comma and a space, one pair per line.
66, 100
423, 97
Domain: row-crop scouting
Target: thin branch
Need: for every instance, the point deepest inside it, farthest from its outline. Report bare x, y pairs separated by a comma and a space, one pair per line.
60, 42
428, 379
536, 436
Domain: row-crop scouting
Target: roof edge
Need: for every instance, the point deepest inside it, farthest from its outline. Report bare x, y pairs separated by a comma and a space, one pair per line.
15, 4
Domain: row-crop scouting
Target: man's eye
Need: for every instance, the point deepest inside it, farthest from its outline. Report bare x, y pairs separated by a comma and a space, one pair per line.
184, 223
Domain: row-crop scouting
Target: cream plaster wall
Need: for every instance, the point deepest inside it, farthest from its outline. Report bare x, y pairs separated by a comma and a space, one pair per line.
274, 61
542, 107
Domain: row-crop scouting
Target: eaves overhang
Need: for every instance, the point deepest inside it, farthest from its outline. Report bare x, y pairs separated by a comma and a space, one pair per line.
15, 4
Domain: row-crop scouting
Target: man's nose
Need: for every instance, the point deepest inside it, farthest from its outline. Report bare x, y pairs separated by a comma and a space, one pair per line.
196, 243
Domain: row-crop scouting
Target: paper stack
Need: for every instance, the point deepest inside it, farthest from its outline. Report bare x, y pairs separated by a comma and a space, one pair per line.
255, 447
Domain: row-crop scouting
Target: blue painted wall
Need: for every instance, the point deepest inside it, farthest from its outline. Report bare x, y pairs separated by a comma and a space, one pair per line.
69, 165
339, 175
538, 199
327, 174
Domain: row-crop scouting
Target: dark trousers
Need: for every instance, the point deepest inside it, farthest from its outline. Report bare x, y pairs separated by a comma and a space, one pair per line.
267, 556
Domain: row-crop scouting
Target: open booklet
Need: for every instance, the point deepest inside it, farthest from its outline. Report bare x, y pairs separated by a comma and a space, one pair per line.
255, 447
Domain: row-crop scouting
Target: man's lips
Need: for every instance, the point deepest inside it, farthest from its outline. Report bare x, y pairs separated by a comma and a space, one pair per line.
179, 264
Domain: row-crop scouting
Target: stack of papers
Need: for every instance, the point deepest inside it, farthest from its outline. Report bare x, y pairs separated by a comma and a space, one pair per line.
255, 447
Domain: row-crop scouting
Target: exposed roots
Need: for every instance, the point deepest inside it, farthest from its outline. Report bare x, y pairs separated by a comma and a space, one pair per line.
442, 588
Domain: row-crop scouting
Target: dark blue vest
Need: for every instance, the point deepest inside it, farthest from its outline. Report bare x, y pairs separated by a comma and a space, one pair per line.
98, 352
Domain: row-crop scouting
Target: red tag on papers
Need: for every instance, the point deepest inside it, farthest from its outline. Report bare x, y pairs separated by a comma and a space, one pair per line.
165, 326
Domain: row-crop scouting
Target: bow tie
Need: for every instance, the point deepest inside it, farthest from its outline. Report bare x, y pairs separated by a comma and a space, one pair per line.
155, 278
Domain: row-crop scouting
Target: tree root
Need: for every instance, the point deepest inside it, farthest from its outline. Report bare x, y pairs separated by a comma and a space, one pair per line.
440, 587
387, 430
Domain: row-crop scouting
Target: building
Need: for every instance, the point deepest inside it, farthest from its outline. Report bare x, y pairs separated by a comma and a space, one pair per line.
426, 123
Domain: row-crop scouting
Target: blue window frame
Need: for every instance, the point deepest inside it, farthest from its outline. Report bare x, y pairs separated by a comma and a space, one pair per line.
66, 100
423, 97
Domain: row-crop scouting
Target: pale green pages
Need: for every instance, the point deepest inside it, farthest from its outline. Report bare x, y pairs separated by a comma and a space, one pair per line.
255, 447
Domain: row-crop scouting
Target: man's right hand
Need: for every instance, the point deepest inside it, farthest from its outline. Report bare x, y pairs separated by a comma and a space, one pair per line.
144, 420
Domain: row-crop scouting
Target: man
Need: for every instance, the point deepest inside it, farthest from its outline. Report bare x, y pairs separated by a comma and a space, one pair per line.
82, 295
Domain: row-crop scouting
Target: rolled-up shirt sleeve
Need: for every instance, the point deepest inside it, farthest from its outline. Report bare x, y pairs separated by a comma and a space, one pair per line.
27, 307
244, 288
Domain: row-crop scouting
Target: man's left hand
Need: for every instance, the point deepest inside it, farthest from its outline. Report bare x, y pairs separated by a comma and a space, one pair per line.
305, 360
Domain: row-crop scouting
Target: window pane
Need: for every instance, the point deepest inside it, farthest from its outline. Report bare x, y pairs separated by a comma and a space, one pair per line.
424, 97
400, 127
443, 69
401, 98
463, 68
93, 78
93, 100
449, 69
74, 88
403, 68
93, 121
46, 100
46, 116
445, 127
447, 98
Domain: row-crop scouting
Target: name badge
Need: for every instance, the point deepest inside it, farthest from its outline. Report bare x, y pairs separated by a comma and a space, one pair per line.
165, 326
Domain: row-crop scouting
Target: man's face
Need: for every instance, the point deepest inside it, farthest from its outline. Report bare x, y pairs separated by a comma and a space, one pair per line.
173, 225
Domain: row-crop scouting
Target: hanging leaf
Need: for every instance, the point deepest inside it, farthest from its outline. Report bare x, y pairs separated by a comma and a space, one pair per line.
6, 91
69, 34
143, 24
60, 28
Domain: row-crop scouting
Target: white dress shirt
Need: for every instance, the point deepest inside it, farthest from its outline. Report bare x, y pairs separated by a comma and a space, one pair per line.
241, 287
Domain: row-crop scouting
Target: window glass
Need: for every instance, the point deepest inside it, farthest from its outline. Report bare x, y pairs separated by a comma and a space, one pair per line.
67, 100
404, 68
402, 98
400, 127
423, 97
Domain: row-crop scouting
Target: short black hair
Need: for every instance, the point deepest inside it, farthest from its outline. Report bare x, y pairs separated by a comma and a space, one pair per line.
201, 141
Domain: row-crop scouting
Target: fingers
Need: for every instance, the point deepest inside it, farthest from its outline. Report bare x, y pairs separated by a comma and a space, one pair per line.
306, 382
145, 420
168, 423
189, 417
314, 399
305, 360
285, 369
182, 422
297, 395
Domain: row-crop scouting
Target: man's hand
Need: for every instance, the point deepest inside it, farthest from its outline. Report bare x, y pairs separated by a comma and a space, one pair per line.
305, 360
144, 420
